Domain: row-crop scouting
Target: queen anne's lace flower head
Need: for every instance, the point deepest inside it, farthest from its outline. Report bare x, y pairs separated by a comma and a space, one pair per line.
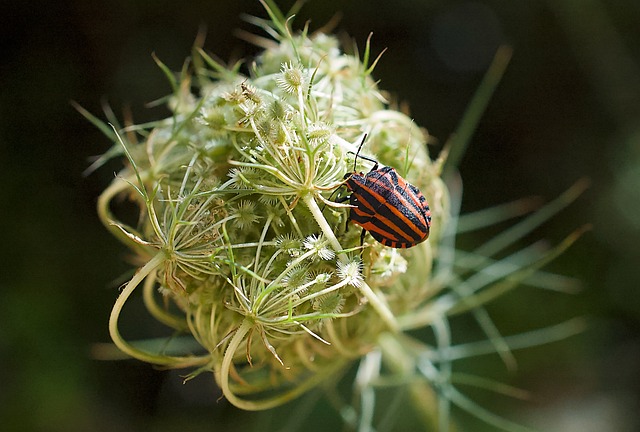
241, 225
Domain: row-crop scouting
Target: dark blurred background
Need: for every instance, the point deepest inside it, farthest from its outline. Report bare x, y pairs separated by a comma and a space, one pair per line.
567, 107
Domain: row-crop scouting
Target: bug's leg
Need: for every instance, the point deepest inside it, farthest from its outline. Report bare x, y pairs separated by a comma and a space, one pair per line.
354, 202
364, 233
341, 200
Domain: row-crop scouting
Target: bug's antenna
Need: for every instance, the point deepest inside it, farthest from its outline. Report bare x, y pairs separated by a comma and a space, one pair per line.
355, 161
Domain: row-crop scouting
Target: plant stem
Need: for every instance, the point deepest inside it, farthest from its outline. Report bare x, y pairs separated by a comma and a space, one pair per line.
223, 372
377, 301
129, 349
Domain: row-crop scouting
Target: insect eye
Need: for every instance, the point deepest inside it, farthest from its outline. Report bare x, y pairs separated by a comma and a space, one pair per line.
347, 175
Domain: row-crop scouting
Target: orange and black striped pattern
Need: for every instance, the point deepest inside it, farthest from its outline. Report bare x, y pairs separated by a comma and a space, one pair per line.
393, 211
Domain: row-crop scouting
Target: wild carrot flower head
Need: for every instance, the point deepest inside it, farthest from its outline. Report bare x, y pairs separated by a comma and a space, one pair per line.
241, 226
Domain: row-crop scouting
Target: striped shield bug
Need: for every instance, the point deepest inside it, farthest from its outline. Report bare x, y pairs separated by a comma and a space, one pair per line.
392, 210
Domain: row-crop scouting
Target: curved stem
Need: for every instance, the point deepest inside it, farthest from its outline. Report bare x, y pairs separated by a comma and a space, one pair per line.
225, 368
156, 311
104, 213
108, 220
127, 348
377, 301
222, 377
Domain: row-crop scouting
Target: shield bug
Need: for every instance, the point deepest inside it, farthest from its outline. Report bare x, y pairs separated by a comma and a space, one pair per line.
394, 211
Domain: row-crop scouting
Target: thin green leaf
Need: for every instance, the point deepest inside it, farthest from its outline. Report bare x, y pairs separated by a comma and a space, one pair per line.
519, 230
217, 66
540, 279
530, 339
175, 86
471, 117
277, 18
113, 152
491, 385
496, 214
476, 410
101, 125
141, 189
516, 278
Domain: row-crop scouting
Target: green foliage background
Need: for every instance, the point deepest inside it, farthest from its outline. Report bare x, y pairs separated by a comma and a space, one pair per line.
568, 107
